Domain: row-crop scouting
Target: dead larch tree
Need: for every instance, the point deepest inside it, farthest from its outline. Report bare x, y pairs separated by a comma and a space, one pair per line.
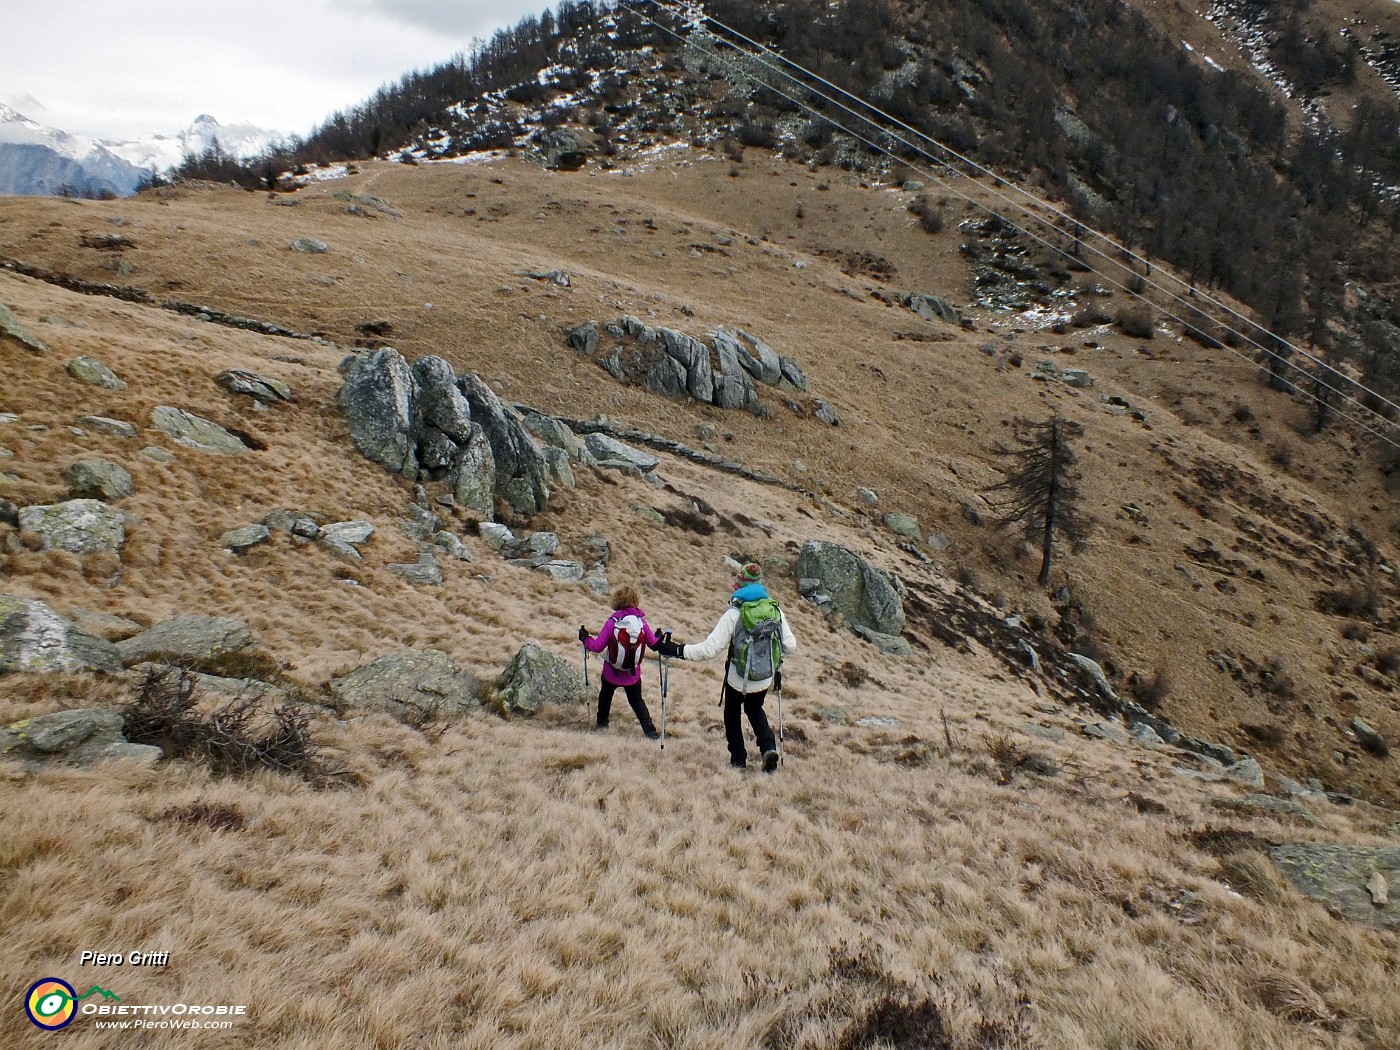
1040, 493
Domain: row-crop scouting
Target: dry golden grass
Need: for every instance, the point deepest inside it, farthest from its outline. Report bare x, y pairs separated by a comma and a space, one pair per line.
529, 884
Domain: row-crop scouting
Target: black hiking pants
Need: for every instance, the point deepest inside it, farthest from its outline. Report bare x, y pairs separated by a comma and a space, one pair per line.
634, 697
750, 704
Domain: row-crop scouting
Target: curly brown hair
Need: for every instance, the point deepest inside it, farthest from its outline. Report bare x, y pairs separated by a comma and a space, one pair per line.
626, 597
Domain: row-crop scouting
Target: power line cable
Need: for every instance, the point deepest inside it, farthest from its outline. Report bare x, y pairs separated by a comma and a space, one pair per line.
696, 16
979, 204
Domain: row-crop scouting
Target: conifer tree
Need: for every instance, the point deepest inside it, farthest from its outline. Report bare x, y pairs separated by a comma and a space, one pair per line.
1040, 493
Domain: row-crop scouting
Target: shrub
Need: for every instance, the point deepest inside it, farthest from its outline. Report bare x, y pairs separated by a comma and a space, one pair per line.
1150, 691
1357, 599
1136, 320
930, 214
758, 134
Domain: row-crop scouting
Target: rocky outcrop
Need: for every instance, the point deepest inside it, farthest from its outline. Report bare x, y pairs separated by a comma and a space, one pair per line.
81, 526
863, 594
342, 537
12, 326
535, 677
673, 364
414, 685
192, 431
244, 538
1338, 877
607, 450
521, 471
427, 424
74, 737
563, 149
36, 639
192, 639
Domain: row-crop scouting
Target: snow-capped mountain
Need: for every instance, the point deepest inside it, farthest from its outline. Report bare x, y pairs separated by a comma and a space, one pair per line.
166, 151
37, 159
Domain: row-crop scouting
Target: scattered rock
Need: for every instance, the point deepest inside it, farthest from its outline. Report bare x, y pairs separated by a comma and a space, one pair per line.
1096, 672
91, 370
193, 431
157, 454
35, 638
905, 525
259, 387
608, 449
1146, 736
1110, 731
106, 625
414, 686
97, 479
1054, 734
1032, 658
863, 594
187, 639
1338, 876
244, 538
563, 571
115, 427
521, 471
450, 544
497, 537
826, 414
342, 537
930, 307
309, 246
555, 433
1247, 771
82, 526
425, 572
878, 722
889, 644
82, 737
11, 326
535, 677
868, 497
1369, 738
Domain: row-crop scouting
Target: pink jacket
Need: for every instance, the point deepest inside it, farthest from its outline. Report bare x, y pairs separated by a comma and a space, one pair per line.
599, 644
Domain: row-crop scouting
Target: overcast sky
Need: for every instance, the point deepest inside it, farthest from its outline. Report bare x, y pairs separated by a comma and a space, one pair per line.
122, 68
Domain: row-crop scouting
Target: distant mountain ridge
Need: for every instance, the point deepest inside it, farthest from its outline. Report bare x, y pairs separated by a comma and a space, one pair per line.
38, 160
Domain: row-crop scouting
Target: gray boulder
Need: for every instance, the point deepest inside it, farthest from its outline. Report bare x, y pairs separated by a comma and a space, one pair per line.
759, 359
584, 338
115, 427
1247, 771
82, 526
863, 594
105, 625
826, 413
905, 525
260, 388
889, 644
425, 572
450, 544
609, 449
1337, 876
342, 537
377, 401
91, 370
694, 359
97, 479
564, 149
535, 677
309, 246
521, 471
792, 373
12, 326
930, 307
563, 571
244, 538
1371, 740
473, 476
187, 638
81, 737
561, 473
193, 431
497, 537
1096, 672
441, 416
413, 685
35, 638
556, 434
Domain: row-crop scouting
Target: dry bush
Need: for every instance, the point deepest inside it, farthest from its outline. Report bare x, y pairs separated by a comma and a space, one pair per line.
236, 738
930, 214
1360, 599
216, 815
1090, 315
1151, 690
1253, 874
1387, 660
1266, 734
1135, 319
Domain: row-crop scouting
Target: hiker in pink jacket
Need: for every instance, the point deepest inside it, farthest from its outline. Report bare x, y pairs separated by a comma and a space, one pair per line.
623, 640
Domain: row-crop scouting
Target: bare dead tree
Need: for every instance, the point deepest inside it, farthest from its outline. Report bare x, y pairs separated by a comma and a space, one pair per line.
1040, 494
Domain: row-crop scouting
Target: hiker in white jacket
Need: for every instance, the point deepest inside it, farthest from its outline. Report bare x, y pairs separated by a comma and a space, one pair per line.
744, 690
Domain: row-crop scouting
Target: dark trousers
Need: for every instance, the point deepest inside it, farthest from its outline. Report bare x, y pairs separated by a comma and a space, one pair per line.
750, 704
634, 697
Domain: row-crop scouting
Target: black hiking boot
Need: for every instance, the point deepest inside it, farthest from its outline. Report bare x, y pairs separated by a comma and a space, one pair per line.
739, 763
651, 734
770, 761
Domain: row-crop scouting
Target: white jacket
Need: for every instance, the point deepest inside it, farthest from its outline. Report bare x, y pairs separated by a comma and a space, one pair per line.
718, 642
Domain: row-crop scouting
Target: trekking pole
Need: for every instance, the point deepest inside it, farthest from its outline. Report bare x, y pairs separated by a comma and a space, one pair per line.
780, 718
665, 676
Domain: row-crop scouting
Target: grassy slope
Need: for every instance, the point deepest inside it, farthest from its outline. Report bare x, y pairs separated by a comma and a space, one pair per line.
711, 907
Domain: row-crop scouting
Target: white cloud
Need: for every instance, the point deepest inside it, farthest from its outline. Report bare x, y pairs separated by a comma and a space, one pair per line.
121, 68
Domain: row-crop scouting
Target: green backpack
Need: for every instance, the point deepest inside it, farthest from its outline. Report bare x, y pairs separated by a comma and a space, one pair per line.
756, 651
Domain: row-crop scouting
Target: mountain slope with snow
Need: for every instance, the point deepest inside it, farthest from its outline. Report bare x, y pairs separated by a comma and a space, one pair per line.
162, 152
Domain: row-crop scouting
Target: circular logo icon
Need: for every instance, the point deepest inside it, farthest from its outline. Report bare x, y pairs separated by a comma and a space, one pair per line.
51, 1003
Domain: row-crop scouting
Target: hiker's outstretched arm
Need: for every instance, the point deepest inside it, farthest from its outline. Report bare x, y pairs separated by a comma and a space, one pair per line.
719, 638
599, 641
789, 640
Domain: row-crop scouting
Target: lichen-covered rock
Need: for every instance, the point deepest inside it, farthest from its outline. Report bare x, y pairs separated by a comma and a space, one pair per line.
342, 537
862, 593
81, 526
425, 572
905, 525
309, 246
609, 449
473, 476
377, 401
260, 388
522, 475
97, 479
91, 370
442, 418
694, 359
411, 685
187, 638
79, 737
12, 326
244, 538
1337, 876
34, 638
535, 677
192, 431
115, 427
